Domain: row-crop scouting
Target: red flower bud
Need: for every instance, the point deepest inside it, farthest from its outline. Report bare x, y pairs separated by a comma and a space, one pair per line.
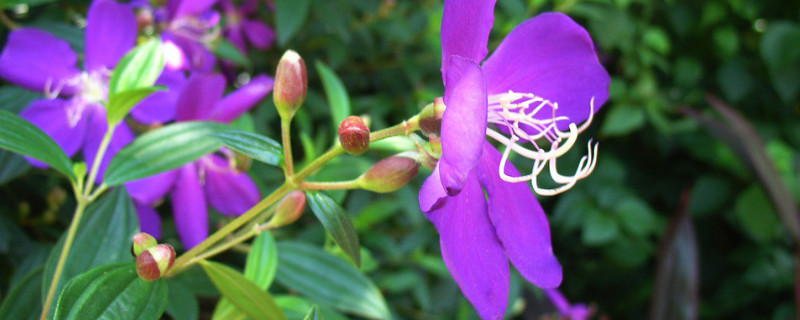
153, 263
141, 242
389, 174
291, 83
354, 135
289, 209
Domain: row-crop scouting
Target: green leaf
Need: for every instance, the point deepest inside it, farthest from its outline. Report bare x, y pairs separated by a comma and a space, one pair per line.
11, 165
21, 136
305, 268
313, 314
598, 228
622, 119
262, 261
226, 50
243, 293
335, 92
15, 99
111, 219
252, 145
112, 291
121, 103
138, 69
296, 308
289, 17
756, 215
10, 4
24, 300
181, 303
780, 49
338, 224
164, 149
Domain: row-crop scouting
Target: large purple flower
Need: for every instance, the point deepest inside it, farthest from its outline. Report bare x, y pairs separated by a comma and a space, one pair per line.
213, 178
72, 113
543, 78
187, 27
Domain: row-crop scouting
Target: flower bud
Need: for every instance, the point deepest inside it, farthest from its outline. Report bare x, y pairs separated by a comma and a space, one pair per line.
141, 242
430, 118
153, 263
289, 89
389, 174
354, 135
289, 209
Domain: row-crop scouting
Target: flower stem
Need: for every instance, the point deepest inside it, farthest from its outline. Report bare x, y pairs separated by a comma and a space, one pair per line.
288, 165
62, 258
338, 185
101, 151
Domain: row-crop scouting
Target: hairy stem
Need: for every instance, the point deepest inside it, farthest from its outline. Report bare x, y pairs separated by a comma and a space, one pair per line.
62, 258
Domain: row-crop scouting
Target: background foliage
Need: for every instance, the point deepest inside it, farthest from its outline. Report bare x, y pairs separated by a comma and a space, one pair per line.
667, 183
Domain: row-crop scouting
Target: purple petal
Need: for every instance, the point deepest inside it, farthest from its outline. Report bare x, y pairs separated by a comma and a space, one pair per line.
432, 195
36, 60
94, 135
553, 57
230, 192
65, 121
463, 122
199, 96
149, 190
159, 107
471, 251
149, 221
259, 34
241, 100
181, 8
465, 30
572, 312
197, 57
520, 222
189, 207
110, 33
235, 35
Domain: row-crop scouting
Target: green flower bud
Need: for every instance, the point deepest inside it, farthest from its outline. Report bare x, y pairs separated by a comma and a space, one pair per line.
390, 174
289, 209
430, 118
154, 262
291, 83
354, 135
141, 242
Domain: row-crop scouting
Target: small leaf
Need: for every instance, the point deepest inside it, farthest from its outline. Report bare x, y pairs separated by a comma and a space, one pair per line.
289, 17
113, 220
138, 69
24, 301
21, 136
226, 50
243, 293
11, 165
304, 268
338, 224
312, 314
252, 145
262, 262
181, 303
336, 93
622, 119
164, 149
121, 103
112, 291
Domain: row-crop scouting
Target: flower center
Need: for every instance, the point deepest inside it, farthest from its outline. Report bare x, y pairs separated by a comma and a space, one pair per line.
93, 87
532, 120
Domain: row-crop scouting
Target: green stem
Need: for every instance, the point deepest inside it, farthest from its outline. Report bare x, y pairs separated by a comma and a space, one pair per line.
338, 185
73, 227
286, 139
293, 182
101, 151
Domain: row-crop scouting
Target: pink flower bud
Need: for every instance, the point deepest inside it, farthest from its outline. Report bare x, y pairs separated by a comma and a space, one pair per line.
354, 135
430, 118
289, 90
153, 263
289, 209
141, 242
389, 174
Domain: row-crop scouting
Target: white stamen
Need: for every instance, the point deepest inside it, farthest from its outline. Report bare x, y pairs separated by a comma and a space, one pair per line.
518, 112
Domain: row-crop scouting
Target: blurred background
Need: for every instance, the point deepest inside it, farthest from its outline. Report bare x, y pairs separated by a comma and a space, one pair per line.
690, 213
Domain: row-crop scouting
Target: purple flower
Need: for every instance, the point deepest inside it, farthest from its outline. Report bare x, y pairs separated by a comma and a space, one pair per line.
213, 178
187, 27
240, 29
72, 113
544, 77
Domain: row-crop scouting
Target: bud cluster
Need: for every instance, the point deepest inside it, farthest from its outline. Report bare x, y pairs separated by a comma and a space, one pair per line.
390, 174
152, 259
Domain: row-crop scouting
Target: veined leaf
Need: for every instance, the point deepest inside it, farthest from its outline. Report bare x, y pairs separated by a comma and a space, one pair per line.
243, 293
336, 93
21, 136
252, 145
138, 69
338, 224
